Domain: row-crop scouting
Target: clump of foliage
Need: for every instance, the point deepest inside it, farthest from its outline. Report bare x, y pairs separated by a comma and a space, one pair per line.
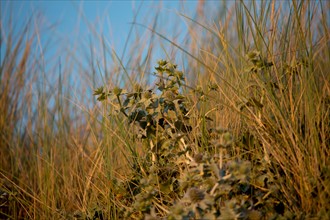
178, 178
163, 123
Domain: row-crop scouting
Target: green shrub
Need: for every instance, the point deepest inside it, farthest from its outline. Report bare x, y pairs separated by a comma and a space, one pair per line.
177, 181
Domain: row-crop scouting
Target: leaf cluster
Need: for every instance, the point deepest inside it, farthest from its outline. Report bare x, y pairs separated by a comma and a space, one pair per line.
176, 182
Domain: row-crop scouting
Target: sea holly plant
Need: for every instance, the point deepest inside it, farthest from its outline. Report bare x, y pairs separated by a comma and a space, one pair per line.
178, 178
147, 108
161, 116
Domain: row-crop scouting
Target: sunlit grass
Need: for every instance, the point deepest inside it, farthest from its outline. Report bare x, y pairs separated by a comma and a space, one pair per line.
256, 91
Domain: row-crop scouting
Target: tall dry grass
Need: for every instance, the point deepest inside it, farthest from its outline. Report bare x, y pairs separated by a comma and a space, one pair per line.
62, 157
293, 124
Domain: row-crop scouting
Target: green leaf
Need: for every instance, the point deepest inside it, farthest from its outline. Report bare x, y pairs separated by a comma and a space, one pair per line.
98, 91
102, 97
117, 91
162, 62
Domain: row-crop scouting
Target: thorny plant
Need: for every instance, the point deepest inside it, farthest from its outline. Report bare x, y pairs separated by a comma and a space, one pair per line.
177, 182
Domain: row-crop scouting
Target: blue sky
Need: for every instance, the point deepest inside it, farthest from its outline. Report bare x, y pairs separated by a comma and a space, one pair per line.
75, 25
72, 24
74, 19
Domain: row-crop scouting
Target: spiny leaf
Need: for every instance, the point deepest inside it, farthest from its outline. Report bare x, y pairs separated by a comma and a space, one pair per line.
98, 91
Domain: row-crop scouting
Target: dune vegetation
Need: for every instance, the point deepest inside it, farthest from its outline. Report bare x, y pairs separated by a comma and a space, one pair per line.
232, 124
